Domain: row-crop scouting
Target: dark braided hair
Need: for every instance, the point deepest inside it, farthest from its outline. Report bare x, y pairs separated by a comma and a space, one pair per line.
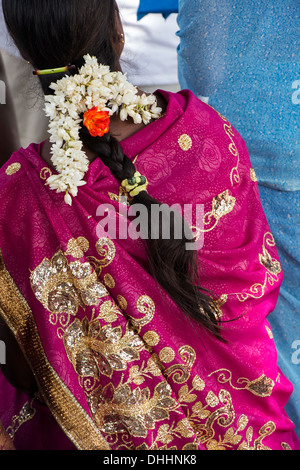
51, 34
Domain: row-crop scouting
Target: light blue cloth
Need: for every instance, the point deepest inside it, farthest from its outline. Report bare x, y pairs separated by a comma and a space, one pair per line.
165, 7
244, 59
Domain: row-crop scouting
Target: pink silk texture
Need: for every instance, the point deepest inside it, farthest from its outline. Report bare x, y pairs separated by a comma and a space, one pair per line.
175, 386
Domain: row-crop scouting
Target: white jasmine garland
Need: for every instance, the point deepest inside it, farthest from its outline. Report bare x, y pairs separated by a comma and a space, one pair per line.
94, 86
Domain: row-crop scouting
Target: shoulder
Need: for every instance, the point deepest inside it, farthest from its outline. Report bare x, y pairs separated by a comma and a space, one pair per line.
12, 171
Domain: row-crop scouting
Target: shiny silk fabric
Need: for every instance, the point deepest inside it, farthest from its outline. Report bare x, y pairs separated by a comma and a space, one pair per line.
119, 366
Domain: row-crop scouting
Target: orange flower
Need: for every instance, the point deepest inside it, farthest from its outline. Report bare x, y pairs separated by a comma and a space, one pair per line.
97, 122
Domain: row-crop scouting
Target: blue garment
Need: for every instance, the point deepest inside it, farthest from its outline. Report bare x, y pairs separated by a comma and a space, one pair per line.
166, 7
244, 59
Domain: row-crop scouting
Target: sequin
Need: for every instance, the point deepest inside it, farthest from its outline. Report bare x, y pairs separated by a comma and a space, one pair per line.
62, 288
13, 169
94, 350
77, 247
185, 142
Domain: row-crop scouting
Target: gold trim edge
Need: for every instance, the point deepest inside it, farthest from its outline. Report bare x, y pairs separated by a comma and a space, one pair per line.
69, 414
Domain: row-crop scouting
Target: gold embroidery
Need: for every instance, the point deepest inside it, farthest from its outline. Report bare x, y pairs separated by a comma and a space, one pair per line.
285, 446
270, 333
77, 247
167, 355
185, 142
182, 372
123, 410
273, 268
94, 350
146, 306
151, 338
272, 265
109, 281
45, 173
222, 205
73, 419
26, 414
13, 169
122, 302
234, 175
262, 387
62, 288
253, 175
121, 198
107, 250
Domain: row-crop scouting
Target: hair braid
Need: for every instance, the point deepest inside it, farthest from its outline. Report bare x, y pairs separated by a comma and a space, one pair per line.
171, 265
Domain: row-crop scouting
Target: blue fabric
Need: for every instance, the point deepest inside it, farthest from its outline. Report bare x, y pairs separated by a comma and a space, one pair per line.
245, 58
165, 7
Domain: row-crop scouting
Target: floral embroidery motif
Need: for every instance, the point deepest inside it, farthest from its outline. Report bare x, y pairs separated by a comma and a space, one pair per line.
123, 410
62, 288
115, 363
222, 205
77, 247
262, 387
94, 350
272, 266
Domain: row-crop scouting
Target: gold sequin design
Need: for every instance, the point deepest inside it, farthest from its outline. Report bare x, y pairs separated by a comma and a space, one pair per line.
273, 268
151, 338
26, 414
146, 306
62, 287
13, 169
107, 251
253, 176
45, 173
72, 418
94, 349
122, 302
123, 410
261, 387
181, 372
109, 281
222, 205
122, 198
77, 247
185, 142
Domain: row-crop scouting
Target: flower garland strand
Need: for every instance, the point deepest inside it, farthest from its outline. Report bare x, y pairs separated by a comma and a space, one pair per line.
97, 93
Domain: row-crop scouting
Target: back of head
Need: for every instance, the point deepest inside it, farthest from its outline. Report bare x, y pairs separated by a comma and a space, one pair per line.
52, 34
55, 33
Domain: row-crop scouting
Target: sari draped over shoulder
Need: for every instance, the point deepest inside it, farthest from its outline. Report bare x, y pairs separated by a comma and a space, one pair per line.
118, 365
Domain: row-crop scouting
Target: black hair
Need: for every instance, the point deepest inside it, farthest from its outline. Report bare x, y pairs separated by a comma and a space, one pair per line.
55, 33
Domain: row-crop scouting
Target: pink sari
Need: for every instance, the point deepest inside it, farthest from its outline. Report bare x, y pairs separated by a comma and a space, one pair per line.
117, 363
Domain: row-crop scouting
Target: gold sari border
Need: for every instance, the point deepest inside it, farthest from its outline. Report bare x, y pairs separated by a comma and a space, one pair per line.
69, 414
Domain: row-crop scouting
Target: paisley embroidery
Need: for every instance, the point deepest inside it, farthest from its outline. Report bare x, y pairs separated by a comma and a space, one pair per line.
107, 250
